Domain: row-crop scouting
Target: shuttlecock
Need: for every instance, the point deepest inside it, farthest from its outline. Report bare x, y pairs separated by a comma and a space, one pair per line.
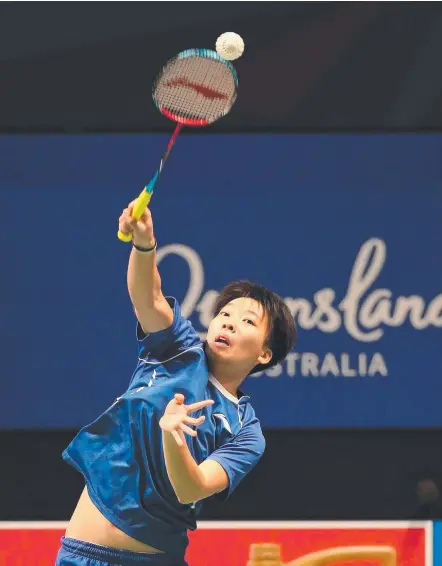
230, 46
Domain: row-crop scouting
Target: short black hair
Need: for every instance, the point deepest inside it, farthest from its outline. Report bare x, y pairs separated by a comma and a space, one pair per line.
282, 333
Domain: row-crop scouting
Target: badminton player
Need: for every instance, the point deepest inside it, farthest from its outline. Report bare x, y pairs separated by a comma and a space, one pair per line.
182, 431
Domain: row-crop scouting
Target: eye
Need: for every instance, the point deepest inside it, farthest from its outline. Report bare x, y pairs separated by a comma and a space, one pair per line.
249, 321
224, 313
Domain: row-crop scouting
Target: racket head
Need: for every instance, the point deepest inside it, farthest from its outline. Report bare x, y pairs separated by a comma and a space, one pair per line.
196, 88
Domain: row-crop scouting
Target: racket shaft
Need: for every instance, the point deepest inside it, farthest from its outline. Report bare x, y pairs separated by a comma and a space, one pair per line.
170, 145
144, 197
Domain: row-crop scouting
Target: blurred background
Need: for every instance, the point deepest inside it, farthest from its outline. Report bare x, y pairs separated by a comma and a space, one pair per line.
323, 183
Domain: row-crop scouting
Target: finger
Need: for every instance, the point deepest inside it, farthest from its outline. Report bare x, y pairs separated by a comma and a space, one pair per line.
125, 227
199, 405
179, 398
126, 214
130, 206
188, 430
126, 217
195, 422
146, 213
143, 223
146, 216
177, 437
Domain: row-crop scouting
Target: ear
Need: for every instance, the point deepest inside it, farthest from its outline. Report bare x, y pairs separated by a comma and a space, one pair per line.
265, 356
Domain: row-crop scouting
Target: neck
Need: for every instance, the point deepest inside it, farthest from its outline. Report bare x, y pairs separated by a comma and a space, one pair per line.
229, 378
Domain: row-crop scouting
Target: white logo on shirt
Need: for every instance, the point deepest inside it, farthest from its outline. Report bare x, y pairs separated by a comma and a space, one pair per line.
151, 380
224, 420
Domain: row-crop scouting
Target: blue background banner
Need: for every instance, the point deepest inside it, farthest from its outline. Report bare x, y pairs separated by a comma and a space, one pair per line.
345, 227
437, 544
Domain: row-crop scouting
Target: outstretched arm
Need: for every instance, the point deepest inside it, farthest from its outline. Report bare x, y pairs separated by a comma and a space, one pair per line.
143, 278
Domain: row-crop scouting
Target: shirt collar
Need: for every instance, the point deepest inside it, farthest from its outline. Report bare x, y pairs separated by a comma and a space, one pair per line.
223, 391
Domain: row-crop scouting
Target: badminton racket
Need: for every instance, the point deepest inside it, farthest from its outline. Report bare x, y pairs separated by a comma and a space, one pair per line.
195, 88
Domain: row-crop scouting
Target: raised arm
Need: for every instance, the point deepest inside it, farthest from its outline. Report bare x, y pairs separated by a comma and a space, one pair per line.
143, 279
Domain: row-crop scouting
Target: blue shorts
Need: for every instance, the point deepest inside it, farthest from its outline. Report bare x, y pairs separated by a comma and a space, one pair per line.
75, 552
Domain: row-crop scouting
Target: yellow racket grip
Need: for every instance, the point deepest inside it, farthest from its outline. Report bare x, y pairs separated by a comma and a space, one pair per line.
141, 203
137, 212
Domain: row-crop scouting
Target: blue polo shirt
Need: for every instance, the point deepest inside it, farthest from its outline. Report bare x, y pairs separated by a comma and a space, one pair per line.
120, 454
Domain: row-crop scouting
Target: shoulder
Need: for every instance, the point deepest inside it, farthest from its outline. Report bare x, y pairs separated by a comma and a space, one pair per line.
178, 337
249, 437
251, 433
240, 453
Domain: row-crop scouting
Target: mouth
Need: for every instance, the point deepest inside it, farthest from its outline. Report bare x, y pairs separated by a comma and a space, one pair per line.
222, 340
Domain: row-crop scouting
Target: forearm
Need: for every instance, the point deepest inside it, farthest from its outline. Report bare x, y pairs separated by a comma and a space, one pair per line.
143, 279
187, 479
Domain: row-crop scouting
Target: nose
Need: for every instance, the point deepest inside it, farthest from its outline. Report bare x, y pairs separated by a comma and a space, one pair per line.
229, 326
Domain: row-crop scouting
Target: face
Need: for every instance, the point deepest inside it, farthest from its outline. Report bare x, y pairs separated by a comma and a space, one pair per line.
238, 334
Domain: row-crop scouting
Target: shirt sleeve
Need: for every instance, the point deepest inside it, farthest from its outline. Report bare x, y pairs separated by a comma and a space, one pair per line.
239, 456
180, 335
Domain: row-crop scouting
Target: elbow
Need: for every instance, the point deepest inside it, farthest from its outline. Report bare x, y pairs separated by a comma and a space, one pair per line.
192, 494
185, 500
188, 498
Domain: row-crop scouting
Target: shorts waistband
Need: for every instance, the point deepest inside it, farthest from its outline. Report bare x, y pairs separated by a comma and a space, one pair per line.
119, 556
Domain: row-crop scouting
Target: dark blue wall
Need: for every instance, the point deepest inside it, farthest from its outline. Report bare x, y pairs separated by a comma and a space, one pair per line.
318, 218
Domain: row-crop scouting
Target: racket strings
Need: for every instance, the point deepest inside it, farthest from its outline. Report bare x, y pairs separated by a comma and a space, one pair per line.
196, 87
194, 91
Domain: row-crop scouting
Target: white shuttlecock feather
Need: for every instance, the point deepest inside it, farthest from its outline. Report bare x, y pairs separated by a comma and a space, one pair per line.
230, 46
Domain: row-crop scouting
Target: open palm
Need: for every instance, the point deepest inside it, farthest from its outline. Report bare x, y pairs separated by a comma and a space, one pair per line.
176, 419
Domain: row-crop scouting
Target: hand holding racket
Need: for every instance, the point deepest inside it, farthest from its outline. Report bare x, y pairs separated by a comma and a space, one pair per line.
195, 88
141, 229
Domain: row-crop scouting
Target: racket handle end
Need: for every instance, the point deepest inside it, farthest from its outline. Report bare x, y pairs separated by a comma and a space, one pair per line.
124, 237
